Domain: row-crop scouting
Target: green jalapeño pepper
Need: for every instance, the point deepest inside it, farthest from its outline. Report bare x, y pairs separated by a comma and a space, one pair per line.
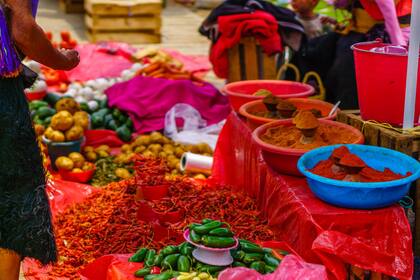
170, 262
258, 266
217, 242
204, 229
206, 221
186, 249
163, 276
211, 269
252, 257
250, 247
195, 237
238, 264
142, 272
221, 232
139, 255
269, 269
183, 264
149, 260
271, 260
238, 255
158, 259
169, 250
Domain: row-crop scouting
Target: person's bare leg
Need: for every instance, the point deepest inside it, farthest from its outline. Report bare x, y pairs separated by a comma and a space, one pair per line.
9, 265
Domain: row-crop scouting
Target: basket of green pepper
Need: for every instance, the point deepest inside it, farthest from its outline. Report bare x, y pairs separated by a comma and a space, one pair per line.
211, 234
213, 241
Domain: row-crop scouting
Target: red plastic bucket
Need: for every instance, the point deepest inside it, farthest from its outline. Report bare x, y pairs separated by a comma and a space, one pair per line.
381, 82
242, 92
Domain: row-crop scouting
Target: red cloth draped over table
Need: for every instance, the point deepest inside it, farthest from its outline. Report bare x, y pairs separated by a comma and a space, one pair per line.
378, 240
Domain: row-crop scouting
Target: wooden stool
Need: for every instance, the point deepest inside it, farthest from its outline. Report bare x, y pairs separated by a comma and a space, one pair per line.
247, 61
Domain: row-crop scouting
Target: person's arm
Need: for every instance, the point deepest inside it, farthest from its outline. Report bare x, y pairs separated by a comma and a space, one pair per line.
392, 26
31, 40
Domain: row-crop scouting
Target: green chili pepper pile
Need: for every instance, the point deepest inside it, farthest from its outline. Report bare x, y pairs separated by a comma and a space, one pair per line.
211, 233
253, 256
178, 261
105, 172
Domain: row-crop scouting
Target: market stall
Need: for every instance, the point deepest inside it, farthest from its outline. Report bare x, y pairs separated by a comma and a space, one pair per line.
320, 233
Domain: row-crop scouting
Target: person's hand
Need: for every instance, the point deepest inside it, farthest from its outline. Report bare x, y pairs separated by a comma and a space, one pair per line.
328, 20
72, 59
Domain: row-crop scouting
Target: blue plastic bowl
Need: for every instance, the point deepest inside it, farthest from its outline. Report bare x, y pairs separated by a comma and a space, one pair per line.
358, 195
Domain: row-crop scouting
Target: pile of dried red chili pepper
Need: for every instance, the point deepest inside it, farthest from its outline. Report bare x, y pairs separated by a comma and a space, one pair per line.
106, 222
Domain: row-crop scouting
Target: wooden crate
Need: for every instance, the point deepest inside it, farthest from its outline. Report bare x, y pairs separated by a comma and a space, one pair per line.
388, 138
130, 21
382, 137
72, 6
247, 61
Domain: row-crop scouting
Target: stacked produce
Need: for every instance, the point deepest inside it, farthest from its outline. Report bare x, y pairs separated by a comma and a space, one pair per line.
74, 162
68, 124
159, 64
171, 261
106, 222
157, 145
95, 111
113, 120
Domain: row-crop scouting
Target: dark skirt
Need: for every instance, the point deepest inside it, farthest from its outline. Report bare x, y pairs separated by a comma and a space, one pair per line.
25, 217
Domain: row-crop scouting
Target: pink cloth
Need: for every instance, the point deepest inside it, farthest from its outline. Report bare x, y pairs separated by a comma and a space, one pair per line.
192, 63
101, 60
392, 25
291, 268
148, 99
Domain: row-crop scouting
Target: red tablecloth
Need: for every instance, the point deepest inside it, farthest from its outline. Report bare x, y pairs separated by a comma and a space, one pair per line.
378, 240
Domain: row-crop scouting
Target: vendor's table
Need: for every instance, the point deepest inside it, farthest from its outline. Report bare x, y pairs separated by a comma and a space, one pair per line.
378, 240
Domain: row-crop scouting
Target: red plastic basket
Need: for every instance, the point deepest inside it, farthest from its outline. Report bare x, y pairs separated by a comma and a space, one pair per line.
79, 177
284, 160
254, 121
381, 80
242, 92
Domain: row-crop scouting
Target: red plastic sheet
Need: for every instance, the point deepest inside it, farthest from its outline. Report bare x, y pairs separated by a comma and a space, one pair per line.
378, 240
99, 137
64, 193
115, 267
291, 268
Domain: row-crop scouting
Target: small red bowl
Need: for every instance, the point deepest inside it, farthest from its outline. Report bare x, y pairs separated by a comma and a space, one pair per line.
254, 121
35, 95
152, 192
242, 92
284, 160
146, 213
79, 177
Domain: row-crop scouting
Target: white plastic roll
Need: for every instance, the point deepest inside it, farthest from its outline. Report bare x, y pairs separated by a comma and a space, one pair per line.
196, 163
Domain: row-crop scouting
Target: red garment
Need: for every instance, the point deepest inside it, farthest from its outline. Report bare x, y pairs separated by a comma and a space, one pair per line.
261, 25
403, 8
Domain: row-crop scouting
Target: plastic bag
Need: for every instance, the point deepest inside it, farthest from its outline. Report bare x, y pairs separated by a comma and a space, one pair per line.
195, 129
291, 268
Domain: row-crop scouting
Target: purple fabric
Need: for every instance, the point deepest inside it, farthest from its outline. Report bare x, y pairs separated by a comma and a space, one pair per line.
9, 60
148, 99
34, 7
